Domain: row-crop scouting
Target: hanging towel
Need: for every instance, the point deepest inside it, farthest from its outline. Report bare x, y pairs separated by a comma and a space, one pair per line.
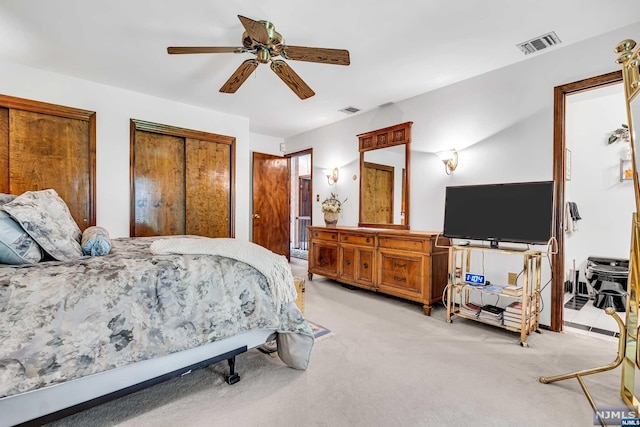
573, 210
570, 225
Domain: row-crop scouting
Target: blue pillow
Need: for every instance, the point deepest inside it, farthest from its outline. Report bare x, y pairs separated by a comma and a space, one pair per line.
95, 241
16, 246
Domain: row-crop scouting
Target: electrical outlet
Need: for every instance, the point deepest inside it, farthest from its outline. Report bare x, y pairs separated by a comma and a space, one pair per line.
511, 278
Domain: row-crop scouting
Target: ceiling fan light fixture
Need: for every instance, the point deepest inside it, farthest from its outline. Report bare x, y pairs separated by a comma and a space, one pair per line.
263, 56
261, 39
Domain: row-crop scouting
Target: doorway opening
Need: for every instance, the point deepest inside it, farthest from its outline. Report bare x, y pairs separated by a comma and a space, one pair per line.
563, 172
301, 191
597, 241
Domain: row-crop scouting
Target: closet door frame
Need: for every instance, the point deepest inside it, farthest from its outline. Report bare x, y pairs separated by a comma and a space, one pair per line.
10, 102
141, 125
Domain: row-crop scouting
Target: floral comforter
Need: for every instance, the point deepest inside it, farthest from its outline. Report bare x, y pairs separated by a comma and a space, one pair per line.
65, 320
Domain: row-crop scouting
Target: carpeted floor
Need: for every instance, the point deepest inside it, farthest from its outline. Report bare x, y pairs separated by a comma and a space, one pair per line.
387, 365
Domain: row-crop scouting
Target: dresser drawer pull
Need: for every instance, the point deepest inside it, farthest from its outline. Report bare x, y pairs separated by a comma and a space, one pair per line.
348, 262
368, 239
322, 261
399, 279
365, 265
346, 238
397, 264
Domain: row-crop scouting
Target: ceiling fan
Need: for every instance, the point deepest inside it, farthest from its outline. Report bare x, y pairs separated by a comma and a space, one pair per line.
261, 39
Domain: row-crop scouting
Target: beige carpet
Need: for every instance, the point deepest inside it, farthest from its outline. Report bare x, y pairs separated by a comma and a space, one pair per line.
386, 365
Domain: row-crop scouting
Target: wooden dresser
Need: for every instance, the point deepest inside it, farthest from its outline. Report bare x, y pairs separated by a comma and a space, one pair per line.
403, 263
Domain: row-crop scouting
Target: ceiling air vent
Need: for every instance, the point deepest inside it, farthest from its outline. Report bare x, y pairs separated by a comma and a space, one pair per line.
350, 110
539, 43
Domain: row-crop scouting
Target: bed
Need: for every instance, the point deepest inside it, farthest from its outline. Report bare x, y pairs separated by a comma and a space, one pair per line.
77, 330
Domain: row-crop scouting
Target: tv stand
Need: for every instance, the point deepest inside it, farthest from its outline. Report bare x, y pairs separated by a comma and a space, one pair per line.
459, 291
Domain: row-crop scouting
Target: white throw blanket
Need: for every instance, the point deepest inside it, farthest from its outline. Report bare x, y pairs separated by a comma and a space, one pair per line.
274, 267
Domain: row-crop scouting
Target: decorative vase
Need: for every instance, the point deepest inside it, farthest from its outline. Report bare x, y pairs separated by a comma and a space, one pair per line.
331, 219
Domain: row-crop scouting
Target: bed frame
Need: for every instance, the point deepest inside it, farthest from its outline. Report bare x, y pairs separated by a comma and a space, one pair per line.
51, 403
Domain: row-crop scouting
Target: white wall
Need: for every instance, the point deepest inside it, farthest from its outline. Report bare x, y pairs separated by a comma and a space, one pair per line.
500, 122
605, 204
114, 107
265, 144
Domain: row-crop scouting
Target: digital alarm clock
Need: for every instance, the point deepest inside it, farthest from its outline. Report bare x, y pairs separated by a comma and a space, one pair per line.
475, 279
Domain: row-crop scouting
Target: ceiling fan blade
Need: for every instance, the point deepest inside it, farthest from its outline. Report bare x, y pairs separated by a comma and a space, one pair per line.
291, 79
203, 49
239, 76
256, 30
316, 54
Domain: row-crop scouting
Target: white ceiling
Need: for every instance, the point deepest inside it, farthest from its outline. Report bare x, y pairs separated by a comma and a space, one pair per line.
399, 49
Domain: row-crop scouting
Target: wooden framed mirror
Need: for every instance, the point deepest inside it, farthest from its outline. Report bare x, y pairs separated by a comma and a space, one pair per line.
384, 177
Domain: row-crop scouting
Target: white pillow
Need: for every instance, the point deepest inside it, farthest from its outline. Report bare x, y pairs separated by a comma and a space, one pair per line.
46, 218
16, 246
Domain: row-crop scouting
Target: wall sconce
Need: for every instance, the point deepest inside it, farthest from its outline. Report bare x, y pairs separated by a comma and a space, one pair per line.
450, 160
332, 175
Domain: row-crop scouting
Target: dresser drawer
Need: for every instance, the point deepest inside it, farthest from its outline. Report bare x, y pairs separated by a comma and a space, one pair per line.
357, 239
331, 236
405, 244
401, 266
401, 280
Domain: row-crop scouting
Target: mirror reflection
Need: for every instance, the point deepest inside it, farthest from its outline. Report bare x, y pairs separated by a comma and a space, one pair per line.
384, 185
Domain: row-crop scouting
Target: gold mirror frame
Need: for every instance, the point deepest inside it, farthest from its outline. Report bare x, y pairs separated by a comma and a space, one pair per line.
630, 62
389, 137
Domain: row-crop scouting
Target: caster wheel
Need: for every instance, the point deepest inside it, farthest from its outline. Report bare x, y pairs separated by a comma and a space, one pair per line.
232, 379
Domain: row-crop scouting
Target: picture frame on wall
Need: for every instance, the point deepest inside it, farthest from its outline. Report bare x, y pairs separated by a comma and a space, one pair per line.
568, 166
626, 170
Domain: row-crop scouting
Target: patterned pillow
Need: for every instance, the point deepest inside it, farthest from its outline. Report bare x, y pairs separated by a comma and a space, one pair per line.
95, 241
6, 198
46, 218
16, 246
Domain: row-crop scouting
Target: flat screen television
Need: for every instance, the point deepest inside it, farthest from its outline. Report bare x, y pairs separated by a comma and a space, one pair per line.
520, 212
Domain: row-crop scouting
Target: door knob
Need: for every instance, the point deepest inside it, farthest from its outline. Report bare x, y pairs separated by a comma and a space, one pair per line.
256, 216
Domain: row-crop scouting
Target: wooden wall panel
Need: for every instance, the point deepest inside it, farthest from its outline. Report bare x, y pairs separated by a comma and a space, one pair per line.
4, 150
48, 151
158, 184
208, 192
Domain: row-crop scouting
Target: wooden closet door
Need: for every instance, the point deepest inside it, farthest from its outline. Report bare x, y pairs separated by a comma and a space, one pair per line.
208, 192
158, 176
48, 151
182, 181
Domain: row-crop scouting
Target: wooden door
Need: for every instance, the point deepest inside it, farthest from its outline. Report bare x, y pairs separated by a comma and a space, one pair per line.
159, 185
49, 146
271, 203
304, 196
377, 197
